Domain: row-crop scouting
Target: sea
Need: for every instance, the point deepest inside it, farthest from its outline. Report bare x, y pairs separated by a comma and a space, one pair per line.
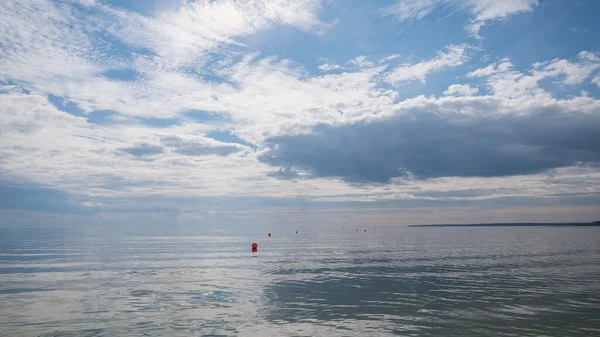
322, 281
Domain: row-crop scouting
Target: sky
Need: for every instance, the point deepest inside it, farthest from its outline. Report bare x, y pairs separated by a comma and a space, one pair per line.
231, 111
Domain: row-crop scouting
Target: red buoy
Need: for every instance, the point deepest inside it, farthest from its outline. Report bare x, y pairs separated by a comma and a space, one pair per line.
365, 230
296, 232
254, 247
269, 234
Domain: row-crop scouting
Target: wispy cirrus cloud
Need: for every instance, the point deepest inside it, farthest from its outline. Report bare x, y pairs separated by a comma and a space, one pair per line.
411, 9
185, 34
482, 11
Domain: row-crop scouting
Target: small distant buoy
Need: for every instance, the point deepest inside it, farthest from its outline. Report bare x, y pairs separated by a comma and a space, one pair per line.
269, 234
296, 232
254, 247
365, 230
357, 229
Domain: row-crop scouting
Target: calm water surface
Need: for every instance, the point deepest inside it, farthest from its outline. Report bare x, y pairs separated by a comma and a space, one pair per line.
320, 282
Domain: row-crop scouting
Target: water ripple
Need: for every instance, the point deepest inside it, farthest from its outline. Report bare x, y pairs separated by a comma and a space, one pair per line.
401, 281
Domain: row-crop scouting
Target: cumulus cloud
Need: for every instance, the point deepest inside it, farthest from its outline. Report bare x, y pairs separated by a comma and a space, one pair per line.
455, 56
596, 81
361, 61
284, 173
434, 139
506, 81
143, 150
330, 67
570, 72
492, 69
461, 90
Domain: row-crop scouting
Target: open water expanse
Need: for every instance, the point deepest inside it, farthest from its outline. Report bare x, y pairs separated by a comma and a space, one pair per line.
495, 281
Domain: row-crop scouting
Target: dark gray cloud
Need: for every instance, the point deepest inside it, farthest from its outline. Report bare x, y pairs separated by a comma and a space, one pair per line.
284, 173
193, 148
202, 150
424, 144
143, 150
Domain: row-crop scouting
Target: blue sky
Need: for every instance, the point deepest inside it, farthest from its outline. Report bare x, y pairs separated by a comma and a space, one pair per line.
479, 110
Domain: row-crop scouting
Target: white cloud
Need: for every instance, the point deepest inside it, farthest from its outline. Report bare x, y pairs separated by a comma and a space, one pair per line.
53, 48
330, 66
571, 72
52, 147
455, 56
492, 9
492, 69
482, 11
505, 81
389, 58
183, 35
461, 90
44, 43
46, 145
48, 48
361, 62
411, 9
587, 56
276, 97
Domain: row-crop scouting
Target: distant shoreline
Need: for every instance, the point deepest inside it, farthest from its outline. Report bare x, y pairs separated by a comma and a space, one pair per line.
586, 224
